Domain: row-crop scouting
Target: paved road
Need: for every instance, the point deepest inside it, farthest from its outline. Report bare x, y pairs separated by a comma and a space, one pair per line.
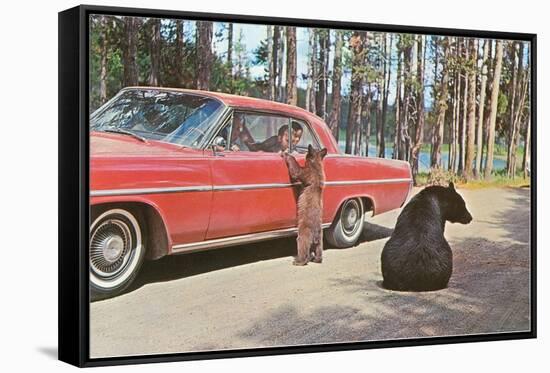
251, 296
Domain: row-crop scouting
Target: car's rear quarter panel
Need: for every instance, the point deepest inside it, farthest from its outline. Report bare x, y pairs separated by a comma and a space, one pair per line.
385, 182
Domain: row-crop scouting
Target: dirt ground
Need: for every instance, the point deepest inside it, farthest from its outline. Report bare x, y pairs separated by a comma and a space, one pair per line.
251, 296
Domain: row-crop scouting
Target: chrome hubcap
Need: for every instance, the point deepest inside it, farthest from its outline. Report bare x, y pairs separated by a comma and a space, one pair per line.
350, 217
110, 245
113, 247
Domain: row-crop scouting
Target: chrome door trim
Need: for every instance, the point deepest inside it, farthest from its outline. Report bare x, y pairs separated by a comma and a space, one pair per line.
378, 181
217, 188
236, 240
127, 192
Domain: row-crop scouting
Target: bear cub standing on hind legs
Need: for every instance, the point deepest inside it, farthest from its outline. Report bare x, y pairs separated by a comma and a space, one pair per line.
310, 204
417, 256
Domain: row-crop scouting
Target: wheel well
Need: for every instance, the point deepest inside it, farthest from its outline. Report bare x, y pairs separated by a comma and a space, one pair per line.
368, 204
156, 242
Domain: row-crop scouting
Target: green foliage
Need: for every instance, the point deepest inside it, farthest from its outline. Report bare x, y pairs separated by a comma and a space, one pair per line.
502, 106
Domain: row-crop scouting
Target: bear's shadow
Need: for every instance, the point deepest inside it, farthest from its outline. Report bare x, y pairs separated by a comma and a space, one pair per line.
373, 232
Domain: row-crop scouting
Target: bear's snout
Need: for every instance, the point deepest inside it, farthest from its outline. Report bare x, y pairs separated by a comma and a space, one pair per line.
466, 219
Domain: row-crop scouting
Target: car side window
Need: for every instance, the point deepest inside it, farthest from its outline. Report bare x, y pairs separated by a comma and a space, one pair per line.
259, 132
302, 137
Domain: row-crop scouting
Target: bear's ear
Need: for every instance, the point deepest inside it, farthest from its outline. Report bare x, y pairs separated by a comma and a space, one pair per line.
323, 153
451, 185
310, 149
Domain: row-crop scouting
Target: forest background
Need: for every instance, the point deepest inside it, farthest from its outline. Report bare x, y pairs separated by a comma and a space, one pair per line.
455, 108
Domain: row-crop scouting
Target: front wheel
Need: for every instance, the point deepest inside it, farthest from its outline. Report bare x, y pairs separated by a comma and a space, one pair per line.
116, 252
348, 224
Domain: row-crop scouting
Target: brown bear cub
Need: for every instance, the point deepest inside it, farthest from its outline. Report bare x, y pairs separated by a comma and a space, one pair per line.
417, 257
310, 204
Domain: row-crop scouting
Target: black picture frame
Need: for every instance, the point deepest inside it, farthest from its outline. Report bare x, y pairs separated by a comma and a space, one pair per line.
74, 190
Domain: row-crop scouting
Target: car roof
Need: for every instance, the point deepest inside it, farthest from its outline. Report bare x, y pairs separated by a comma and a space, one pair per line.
240, 101
252, 103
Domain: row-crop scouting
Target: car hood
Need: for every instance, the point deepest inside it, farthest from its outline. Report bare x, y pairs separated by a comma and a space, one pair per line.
104, 144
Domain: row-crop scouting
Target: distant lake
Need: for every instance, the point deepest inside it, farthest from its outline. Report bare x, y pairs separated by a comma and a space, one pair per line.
424, 161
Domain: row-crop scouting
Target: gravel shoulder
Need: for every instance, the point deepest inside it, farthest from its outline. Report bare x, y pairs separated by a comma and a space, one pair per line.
251, 296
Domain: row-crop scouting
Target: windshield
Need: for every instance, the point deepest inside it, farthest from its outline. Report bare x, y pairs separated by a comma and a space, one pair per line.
175, 117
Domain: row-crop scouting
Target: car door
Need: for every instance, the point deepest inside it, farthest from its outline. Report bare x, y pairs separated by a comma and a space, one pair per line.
252, 191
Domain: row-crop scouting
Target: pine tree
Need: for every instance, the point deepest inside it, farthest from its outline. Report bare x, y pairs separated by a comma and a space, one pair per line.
493, 113
204, 54
334, 118
291, 87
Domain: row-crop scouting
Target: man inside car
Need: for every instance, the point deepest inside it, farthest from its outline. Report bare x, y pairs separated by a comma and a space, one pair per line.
280, 142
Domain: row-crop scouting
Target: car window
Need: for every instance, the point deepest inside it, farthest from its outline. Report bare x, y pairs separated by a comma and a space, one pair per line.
302, 137
255, 133
174, 117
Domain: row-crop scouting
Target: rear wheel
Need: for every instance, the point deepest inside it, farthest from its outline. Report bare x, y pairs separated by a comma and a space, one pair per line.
348, 224
116, 252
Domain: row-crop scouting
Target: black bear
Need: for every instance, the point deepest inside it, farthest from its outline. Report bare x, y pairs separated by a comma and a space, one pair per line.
417, 256
310, 204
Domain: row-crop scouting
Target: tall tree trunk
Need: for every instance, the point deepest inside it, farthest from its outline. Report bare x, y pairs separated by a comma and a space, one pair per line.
520, 110
456, 107
379, 121
334, 119
310, 91
291, 87
454, 155
229, 62
441, 106
154, 75
272, 60
204, 54
179, 63
365, 118
527, 148
380, 91
407, 93
103, 61
357, 42
230, 47
481, 114
493, 114
464, 122
512, 106
387, 62
397, 105
270, 85
471, 123
419, 132
527, 136
486, 120
326, 79
129, 52
323, 35
280, 56
361, 123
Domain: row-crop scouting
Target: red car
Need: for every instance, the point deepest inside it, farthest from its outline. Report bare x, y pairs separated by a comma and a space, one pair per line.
176, 171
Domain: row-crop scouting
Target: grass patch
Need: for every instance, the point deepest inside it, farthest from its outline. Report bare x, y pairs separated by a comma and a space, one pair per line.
497, 180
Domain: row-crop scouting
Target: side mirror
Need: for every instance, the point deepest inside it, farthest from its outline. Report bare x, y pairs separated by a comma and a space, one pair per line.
218, 142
